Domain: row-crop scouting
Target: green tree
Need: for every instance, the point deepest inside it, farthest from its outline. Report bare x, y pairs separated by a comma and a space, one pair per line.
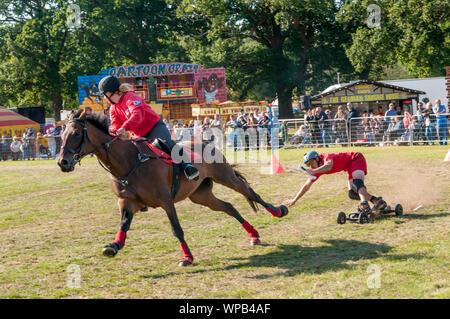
134, 31
412, 32
41, 55
276, 42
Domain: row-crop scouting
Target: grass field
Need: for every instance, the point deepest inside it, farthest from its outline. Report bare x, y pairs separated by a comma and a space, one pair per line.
52, 223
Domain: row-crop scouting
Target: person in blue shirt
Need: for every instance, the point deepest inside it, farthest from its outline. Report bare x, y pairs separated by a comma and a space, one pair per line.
441, 121
389, 113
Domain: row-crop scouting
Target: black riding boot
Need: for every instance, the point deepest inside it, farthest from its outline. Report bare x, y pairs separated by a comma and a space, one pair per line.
190, 171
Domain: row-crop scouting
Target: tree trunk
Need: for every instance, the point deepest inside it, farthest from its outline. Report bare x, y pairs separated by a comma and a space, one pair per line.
285, 103
57, 105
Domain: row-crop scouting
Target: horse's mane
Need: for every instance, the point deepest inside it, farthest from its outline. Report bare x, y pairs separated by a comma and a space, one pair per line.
99, 120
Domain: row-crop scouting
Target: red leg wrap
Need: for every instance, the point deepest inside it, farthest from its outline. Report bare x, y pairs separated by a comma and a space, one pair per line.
250, 230
120, 237
277, 212
185, 249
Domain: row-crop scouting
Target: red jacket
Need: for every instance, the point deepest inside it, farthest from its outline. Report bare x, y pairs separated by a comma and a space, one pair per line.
133, 114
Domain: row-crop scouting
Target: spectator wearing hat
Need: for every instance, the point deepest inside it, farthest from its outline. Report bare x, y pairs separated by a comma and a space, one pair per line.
28, 145
16, 148
390, 113
419, 112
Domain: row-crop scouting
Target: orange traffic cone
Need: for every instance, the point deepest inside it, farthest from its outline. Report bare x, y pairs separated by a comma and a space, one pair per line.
276, 166
447, 157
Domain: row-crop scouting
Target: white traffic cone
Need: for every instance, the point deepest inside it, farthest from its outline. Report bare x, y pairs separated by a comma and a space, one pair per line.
447, 157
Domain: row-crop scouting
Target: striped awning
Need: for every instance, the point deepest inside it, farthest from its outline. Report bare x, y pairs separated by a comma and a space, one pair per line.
13, 121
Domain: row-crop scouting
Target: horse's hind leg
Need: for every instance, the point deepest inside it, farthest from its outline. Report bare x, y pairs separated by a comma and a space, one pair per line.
127, 210
204, 196
231, 178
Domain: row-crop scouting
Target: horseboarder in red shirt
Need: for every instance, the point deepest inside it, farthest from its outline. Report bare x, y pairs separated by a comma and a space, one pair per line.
353, 163
130, 113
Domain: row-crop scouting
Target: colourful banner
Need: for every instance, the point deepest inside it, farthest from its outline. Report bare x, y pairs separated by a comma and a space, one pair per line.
176, 92
146, 70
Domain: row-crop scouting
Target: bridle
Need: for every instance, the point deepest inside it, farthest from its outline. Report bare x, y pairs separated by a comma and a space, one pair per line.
77, 156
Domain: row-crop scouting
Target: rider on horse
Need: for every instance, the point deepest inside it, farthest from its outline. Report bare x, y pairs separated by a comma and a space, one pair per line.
130, 113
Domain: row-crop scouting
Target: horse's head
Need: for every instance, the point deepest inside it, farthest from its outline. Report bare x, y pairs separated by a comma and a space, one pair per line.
74, 140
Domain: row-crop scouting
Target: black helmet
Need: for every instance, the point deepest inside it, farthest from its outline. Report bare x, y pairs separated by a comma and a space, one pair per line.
109, 84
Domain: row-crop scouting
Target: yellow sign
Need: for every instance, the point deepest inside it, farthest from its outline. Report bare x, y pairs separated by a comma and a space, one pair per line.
230, 110
254, 108
364, 98
204, 111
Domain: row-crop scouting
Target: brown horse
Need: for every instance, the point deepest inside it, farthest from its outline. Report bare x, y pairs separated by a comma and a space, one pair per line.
148, 183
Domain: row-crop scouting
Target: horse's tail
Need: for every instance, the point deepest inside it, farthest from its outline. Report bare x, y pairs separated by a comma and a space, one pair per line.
244, 180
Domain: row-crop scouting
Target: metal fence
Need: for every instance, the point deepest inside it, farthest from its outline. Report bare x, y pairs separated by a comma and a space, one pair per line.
21, 148
369, 131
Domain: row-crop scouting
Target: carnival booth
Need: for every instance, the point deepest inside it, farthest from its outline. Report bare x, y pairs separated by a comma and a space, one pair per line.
13, 124
169, 88
367, 95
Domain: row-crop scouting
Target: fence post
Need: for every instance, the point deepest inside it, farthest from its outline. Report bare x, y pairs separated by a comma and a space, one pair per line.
349, 132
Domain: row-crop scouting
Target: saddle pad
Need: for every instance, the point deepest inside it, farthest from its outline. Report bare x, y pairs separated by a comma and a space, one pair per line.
165, 157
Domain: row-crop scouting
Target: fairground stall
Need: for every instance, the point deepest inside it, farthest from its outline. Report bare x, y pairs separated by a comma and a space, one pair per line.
366, 95
13, 124
227, 108
169, 88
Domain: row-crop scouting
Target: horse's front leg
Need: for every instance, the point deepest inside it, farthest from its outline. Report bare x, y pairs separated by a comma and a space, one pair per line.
127, 210
187, 259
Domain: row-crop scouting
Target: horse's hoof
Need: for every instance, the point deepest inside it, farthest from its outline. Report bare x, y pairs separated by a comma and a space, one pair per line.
109, 251
255, 241
284, 210
186, 261
278, 212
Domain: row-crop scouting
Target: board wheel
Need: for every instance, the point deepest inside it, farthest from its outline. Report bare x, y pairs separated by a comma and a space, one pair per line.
398, 210
364, 218
341, 218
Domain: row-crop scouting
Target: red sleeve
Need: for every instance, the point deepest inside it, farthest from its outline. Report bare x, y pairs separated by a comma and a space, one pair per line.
115, 124
135, 105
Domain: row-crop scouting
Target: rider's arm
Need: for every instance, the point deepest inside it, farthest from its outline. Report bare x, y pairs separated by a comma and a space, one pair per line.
322, 169
115, 123
302, 191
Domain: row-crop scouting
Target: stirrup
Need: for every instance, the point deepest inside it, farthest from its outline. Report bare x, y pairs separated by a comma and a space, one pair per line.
193, 176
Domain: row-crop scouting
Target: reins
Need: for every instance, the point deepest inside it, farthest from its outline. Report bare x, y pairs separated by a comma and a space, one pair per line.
142, 157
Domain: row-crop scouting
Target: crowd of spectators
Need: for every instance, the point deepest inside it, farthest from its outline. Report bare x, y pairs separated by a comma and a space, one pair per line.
242, 130
428, 125
323, 127
31, 145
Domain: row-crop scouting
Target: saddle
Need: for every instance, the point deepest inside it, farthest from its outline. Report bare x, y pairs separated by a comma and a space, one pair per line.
163, 152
